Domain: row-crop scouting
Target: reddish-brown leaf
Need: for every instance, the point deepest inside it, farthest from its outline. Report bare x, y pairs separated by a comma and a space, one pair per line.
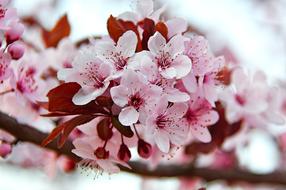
162, 28
104, 130
60, 102
117, 27
149, 29
54, 134
124, 130
60, 30
70, 125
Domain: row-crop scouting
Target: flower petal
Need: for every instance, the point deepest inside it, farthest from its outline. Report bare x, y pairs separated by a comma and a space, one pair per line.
178, 110
126, 44
190, 83
169, 73
201, 133
156, 43
176, 26
119, 95
162, 140
87, 94
128, 116
145, 8
183, 66
209, 118
175, 95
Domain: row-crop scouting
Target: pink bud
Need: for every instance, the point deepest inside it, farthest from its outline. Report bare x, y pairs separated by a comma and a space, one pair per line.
124, 153
16, 50
66, 164
5, 149
144, 149
14, 33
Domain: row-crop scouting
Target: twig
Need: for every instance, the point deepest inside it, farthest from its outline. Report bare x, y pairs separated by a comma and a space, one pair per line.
28, 134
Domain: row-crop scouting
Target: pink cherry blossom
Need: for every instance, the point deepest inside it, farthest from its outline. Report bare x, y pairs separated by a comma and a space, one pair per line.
97, 153
169, 56
27, 81
143, 63
247, 98
117, 55
204, 76
143, 9
6, 14
133, 93
166, 125
5, 70
90, 72
200, 115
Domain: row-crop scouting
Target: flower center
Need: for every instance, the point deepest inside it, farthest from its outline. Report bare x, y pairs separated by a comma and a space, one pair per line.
27, 83
119, 61
93, 77
2, 12
136, 100
164, 60
240, 99
162, 121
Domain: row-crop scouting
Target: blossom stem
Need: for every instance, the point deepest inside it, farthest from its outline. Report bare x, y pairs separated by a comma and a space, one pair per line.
6, 92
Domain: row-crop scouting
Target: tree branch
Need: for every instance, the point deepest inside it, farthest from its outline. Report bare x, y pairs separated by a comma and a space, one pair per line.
28, 134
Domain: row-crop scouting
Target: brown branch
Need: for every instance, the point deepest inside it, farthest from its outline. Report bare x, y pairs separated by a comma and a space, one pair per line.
28, 134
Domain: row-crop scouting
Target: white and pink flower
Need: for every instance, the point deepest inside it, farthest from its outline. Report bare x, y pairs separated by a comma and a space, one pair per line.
169, 57
133, 94
200, 115
165, 124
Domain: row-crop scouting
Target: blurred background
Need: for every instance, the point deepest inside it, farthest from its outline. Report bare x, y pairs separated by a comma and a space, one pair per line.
249, 32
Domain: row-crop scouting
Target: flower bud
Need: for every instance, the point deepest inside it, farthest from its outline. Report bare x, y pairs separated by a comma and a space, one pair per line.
124, 153
14, 33
5, 149
144, 149
101, 153
66, 164
16, 50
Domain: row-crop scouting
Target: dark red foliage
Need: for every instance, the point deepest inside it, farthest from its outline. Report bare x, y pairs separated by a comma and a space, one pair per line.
219, 132
150, 28
124, 130
60, 102
117, 27
64, 129
60, 30
104, 130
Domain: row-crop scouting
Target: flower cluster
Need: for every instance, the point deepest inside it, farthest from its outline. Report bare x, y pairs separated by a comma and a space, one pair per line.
11, 31
150, 85
161, 84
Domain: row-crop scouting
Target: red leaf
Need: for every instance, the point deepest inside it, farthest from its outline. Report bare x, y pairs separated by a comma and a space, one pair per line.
66, 128
104, 130
71, 124
61, 29
54, 134
163, 29
150, 28
117, 27
124, 130
60, 102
